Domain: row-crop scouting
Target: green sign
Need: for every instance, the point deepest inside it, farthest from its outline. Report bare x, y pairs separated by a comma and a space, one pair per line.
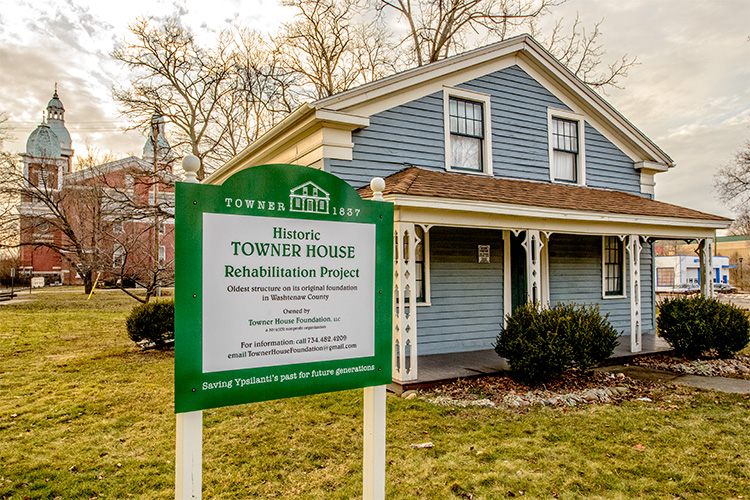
283, 288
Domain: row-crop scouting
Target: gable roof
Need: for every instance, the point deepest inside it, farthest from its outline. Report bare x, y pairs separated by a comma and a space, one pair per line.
418, 182
522, 50
351, 109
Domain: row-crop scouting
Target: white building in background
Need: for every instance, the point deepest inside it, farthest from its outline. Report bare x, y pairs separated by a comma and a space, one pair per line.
675, 270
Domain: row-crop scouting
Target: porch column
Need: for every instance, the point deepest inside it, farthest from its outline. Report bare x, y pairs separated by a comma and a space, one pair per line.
404, 303
634, 267
533, 245
706, 252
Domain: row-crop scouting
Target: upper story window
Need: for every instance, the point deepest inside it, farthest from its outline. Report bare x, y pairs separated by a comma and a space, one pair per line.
468, 145
566, 147
467, 134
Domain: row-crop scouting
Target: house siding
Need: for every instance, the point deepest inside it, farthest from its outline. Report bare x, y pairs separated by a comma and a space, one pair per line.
466, 308
413, 134
607, 167
575, 275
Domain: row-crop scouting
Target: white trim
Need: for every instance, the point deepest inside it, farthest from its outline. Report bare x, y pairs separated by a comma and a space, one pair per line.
553, 113
485, 100
634, 248
650, 165
604, 268
659, 226
404, 313
705, 254
532, 244
544, 259
306, 137
648, 183
507, 289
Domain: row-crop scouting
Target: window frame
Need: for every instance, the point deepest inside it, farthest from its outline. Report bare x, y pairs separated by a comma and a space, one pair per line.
579, 119
618, 294
486, 149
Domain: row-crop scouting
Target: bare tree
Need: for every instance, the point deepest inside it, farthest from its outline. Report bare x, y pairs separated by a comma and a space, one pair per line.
581, 51
732, 184
140, 195
103, 220
334, 47
263, 92
179, 79
5, 131
439, 28
92, 158
69, 221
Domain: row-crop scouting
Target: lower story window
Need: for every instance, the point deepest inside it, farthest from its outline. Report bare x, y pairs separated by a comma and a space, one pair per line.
614, 268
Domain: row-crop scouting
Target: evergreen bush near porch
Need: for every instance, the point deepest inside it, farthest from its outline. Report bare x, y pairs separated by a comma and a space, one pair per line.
152, 322
697, 325
540, 344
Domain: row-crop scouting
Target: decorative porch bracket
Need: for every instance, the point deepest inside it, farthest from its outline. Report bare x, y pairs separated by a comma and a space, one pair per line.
706, 252
533, 244
404, 303
634, 248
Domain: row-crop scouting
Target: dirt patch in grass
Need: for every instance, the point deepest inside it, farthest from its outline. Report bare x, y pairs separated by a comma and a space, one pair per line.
573, 388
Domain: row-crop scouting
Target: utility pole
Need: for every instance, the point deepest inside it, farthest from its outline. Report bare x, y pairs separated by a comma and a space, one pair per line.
155, 143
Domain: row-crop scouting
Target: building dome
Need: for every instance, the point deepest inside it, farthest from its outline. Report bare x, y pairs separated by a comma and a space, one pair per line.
55, 102
43, 142
56, 121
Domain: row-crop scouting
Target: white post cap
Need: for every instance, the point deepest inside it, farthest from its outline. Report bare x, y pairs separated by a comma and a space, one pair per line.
191, 164
377, 185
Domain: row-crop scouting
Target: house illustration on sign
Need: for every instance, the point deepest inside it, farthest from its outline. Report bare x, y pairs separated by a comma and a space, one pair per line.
310, 198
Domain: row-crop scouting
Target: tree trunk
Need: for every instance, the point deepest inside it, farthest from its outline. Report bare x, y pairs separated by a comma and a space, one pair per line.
88, 282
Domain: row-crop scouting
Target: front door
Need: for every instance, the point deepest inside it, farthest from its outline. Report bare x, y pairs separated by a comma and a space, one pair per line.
517, 271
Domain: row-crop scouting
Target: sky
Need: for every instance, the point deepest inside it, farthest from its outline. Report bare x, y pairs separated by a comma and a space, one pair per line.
690, 92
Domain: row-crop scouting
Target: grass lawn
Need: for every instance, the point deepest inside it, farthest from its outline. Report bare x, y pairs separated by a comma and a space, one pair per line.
84, 414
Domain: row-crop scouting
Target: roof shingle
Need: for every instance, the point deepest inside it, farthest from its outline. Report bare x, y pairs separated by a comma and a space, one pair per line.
414, 181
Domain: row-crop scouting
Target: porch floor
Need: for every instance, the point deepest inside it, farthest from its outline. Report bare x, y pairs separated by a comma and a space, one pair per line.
436, 368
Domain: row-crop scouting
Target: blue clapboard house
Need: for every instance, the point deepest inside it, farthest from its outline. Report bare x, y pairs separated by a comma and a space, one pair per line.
499, 151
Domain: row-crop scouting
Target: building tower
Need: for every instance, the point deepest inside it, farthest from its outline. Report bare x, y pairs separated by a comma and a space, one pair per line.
56, 121
164, 157
48, 157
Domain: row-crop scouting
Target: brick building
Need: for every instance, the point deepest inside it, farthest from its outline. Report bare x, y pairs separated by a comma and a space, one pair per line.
110, 207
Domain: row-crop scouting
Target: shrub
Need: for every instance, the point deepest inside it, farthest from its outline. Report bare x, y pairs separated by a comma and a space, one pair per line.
696, 325
540, 344
152, 322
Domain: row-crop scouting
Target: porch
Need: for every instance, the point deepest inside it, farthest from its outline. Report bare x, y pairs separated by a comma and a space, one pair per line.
438, 368
468, 249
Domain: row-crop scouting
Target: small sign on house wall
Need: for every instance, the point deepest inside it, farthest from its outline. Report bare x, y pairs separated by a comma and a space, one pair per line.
484, 254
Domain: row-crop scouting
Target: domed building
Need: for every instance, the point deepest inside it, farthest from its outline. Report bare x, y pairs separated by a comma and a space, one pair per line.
123, 239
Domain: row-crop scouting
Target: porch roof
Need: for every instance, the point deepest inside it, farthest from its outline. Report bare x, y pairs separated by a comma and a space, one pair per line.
418, 182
